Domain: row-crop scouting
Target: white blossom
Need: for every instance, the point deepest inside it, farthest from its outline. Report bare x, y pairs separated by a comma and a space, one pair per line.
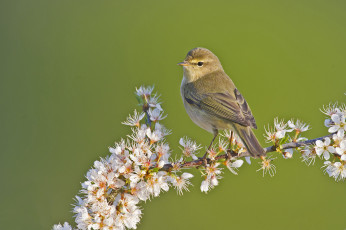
236, 141
233, 166
135, 119
330, 109
278, 132
280, 127
211, 154
189, 147
163, 152
339, 124
162, 129
308, 156
267, 166
157, 182
182, 182
324, 148
156, 115
298, 126
223, 145
154, 102
336, 170
144, 91
138, 135
155, 135
341, 150
212, 174
66, 226
205, 186
338, 137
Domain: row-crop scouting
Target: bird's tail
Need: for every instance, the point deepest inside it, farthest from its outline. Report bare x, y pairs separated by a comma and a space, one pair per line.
249, 140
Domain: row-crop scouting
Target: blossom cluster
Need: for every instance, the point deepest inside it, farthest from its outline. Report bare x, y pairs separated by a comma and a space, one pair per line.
335, 146
331, 149
117, 184
282, 132
140, 167
219, 155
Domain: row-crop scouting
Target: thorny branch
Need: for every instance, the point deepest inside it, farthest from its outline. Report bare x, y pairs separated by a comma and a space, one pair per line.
291, 145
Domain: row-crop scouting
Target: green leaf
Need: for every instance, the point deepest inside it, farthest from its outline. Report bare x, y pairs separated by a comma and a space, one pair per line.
139, 99
154, 170
284, 140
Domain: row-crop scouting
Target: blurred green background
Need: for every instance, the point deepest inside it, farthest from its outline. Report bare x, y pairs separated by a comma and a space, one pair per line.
68, 70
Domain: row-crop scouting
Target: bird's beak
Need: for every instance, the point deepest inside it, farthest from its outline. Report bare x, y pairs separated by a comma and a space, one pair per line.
184, 63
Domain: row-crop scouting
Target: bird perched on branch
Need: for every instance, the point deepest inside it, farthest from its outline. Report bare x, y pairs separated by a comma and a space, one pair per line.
213, 102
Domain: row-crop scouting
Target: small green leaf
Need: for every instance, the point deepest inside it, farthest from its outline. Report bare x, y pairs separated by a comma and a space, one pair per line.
284, 140
154, 170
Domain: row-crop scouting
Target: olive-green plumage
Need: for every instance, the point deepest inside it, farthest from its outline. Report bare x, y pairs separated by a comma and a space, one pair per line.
212, 100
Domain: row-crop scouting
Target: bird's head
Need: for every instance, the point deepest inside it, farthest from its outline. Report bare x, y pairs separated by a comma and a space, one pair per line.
200, 62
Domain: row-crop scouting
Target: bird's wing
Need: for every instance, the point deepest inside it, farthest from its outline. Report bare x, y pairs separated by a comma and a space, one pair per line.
226, 105
245, 109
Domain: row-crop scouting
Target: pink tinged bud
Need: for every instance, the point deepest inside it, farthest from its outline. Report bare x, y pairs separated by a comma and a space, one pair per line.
288, 155
328, 123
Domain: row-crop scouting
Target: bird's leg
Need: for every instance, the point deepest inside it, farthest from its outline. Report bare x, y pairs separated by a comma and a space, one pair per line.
212, 141
231, 140
230, 146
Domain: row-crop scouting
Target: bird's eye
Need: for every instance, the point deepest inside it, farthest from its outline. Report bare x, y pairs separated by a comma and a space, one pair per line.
200, 63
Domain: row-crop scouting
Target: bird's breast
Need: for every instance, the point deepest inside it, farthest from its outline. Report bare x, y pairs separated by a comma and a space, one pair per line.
201, 117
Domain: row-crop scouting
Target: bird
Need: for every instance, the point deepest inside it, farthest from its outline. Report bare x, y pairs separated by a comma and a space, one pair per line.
213, 102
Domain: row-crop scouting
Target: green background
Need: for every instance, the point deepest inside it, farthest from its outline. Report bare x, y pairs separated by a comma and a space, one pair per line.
68, 69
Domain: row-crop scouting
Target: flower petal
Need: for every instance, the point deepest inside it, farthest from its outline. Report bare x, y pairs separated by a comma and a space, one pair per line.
319, 151
331, 149
336, 118
326, 155
326, 141
319, 144
339, 151
205, 186
291, 124
186, 175
237, 163
343, 157
333, 129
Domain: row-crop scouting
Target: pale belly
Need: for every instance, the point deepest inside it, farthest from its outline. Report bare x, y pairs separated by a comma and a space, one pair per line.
203, 119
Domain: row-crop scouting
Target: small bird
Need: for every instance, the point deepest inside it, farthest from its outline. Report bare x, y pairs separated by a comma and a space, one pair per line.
213, 102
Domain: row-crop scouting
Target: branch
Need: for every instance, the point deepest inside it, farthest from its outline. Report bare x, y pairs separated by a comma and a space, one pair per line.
200, 161
123, 180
